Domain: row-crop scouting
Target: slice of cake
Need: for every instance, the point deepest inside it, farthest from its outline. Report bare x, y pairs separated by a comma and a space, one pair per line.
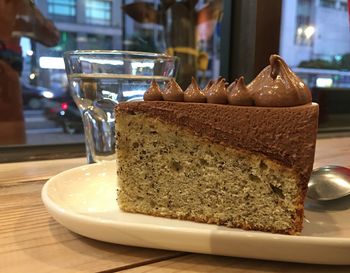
242, 159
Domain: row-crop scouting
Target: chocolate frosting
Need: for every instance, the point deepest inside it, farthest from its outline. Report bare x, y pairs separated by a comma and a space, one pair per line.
217, 93
238, 93
207, 87
173, 92
193, 93
275, 86
153, 93
278, 86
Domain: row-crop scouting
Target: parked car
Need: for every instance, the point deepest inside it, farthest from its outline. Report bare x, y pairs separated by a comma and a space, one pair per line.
36, 97
70, 118
66, 114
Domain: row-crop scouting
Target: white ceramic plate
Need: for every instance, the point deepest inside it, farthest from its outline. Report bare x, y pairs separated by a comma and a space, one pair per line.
84, 200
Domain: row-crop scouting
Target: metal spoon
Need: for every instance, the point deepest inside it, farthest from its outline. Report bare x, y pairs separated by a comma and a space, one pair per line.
329, 183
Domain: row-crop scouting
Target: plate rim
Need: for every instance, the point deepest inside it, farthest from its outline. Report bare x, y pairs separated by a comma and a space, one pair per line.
48, 202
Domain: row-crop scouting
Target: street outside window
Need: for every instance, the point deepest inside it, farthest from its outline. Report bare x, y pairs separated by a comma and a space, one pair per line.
314, 41
50, 114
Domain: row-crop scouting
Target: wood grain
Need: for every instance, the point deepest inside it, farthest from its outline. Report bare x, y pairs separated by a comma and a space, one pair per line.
35, 170
31, 241
195, 263
332, 151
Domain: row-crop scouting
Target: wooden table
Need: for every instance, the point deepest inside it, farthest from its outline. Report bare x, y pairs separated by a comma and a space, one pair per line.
31, 241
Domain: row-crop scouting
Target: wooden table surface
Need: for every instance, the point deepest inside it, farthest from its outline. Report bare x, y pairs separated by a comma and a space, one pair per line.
31, 241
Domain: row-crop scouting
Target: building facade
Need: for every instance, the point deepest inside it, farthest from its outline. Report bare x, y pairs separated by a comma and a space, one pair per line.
83, 24
314, 29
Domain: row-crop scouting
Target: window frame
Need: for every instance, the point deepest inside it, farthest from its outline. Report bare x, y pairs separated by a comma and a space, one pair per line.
244, 42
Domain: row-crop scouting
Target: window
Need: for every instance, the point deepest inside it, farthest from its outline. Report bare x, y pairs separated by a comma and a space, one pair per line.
320, 55
343, 5
328, 3
308, 42
304, 28
62, 10
98, 12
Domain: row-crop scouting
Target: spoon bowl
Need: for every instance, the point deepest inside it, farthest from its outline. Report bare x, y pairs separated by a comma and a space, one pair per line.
329, 183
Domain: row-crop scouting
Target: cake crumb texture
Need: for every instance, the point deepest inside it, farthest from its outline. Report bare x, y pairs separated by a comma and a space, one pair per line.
165, 170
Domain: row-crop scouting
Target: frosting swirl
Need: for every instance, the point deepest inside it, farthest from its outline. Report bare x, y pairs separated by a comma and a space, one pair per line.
278, 86
173, 92
217, 93
193, 93
207, 87
153, 93
275, 86
238, 93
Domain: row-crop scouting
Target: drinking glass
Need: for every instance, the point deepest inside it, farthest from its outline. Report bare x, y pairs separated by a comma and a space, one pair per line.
100, 79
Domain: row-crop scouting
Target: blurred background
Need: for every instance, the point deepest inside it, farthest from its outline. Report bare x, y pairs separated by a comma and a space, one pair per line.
212, 38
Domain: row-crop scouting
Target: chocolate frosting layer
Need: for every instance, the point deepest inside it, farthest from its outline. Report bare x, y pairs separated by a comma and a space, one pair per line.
193, 93
238, 93
173, 92
153, 93
277, 85
286, 135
